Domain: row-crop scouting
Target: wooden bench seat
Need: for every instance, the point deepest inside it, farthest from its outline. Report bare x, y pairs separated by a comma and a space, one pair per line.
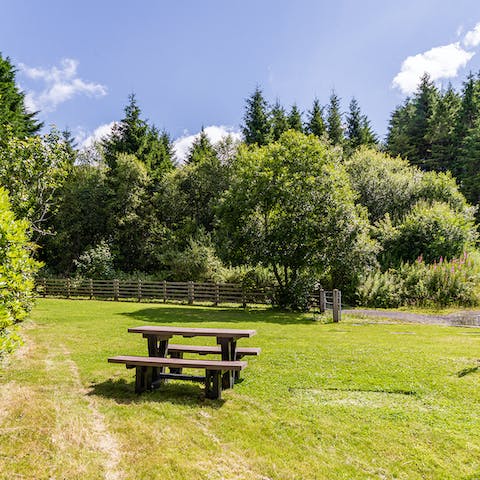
149, 371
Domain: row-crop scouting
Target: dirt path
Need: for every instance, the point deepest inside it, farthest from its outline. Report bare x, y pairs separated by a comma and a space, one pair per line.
104, 441
464, 318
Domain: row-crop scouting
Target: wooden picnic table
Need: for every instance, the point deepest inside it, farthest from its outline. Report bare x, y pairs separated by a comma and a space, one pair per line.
159, 336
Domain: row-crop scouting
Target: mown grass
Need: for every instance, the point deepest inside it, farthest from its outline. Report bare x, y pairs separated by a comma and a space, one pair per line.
323, 401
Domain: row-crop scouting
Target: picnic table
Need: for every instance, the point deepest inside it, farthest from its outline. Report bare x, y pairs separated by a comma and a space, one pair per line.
158, 339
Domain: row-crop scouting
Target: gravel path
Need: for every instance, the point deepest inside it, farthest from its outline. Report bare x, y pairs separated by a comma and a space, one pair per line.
465, 318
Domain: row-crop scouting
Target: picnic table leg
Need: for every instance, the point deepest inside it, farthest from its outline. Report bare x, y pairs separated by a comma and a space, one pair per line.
229, 352
176, 355
157, 347
213, 384
143, 378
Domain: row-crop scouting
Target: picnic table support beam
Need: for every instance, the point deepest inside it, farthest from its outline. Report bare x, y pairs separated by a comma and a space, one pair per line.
143, 378
213, 384
229, 352
157, 347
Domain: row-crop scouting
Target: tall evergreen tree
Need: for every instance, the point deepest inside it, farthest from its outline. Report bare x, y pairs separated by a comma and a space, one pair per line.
442, 132
398, 140
354, 125
359, 131
201, 149
279, 120
14, 117
295, 119
315, 123
256, 128
334, 120
424, 103
133, 136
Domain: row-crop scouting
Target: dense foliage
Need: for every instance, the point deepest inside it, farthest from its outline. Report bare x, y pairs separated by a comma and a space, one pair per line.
304, 198
14, 117
290, 207
16, 273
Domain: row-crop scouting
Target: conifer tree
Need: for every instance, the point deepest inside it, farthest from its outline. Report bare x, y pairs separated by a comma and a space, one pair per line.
201, 149
256, 128
354, 125
133, 136
279, 120
424, 103
334, 121
315, 123
398, 140
295, 119
442, 132
359, 131
14, 118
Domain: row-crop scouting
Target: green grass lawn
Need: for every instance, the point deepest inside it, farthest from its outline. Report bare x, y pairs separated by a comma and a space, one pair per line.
323, 401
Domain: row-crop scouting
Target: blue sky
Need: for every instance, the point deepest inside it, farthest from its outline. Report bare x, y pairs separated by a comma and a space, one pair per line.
192, 63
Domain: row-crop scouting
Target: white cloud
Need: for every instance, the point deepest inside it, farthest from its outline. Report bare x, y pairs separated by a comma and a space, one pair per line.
439, 62
215, 133
86, 140
60, 84
472, 38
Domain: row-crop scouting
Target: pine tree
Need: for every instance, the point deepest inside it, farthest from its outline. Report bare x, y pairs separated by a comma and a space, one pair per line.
442, 132
424, 103
201, 149
315, 123
279, 120
354, 125
14, 117
334, 121
295, 119
359, 131
256, 128
469, 158
398, 140
133, 136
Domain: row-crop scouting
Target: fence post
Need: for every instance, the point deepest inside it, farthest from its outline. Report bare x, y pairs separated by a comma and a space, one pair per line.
191, 292
217, 294
115, 290
91, 288
321, 300
164, 291
68, 287
244, 298
139, 289
337, 305
44, 283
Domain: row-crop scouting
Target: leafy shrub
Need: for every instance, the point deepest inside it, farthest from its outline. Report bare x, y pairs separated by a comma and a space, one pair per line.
441, 283
431, 231
198, 263
96, 262
16, 273
251, 278
296, 295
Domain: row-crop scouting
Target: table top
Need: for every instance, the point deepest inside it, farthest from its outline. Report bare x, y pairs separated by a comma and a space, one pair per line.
193, 332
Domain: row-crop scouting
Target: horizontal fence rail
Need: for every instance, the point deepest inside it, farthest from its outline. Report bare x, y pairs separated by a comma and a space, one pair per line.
190, 292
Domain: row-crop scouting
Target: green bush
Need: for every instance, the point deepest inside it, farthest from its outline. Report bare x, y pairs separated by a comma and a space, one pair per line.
95, 262
198, 263
441, 283
16, 273
428, 230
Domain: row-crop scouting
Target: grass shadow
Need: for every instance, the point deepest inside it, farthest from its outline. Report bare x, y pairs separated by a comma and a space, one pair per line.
122, 392
191, 314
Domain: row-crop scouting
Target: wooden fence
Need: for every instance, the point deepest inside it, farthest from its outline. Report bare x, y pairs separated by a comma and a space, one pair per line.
190, 292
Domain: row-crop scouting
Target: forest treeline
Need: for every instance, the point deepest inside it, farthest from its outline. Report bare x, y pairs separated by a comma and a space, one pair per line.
304, 197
